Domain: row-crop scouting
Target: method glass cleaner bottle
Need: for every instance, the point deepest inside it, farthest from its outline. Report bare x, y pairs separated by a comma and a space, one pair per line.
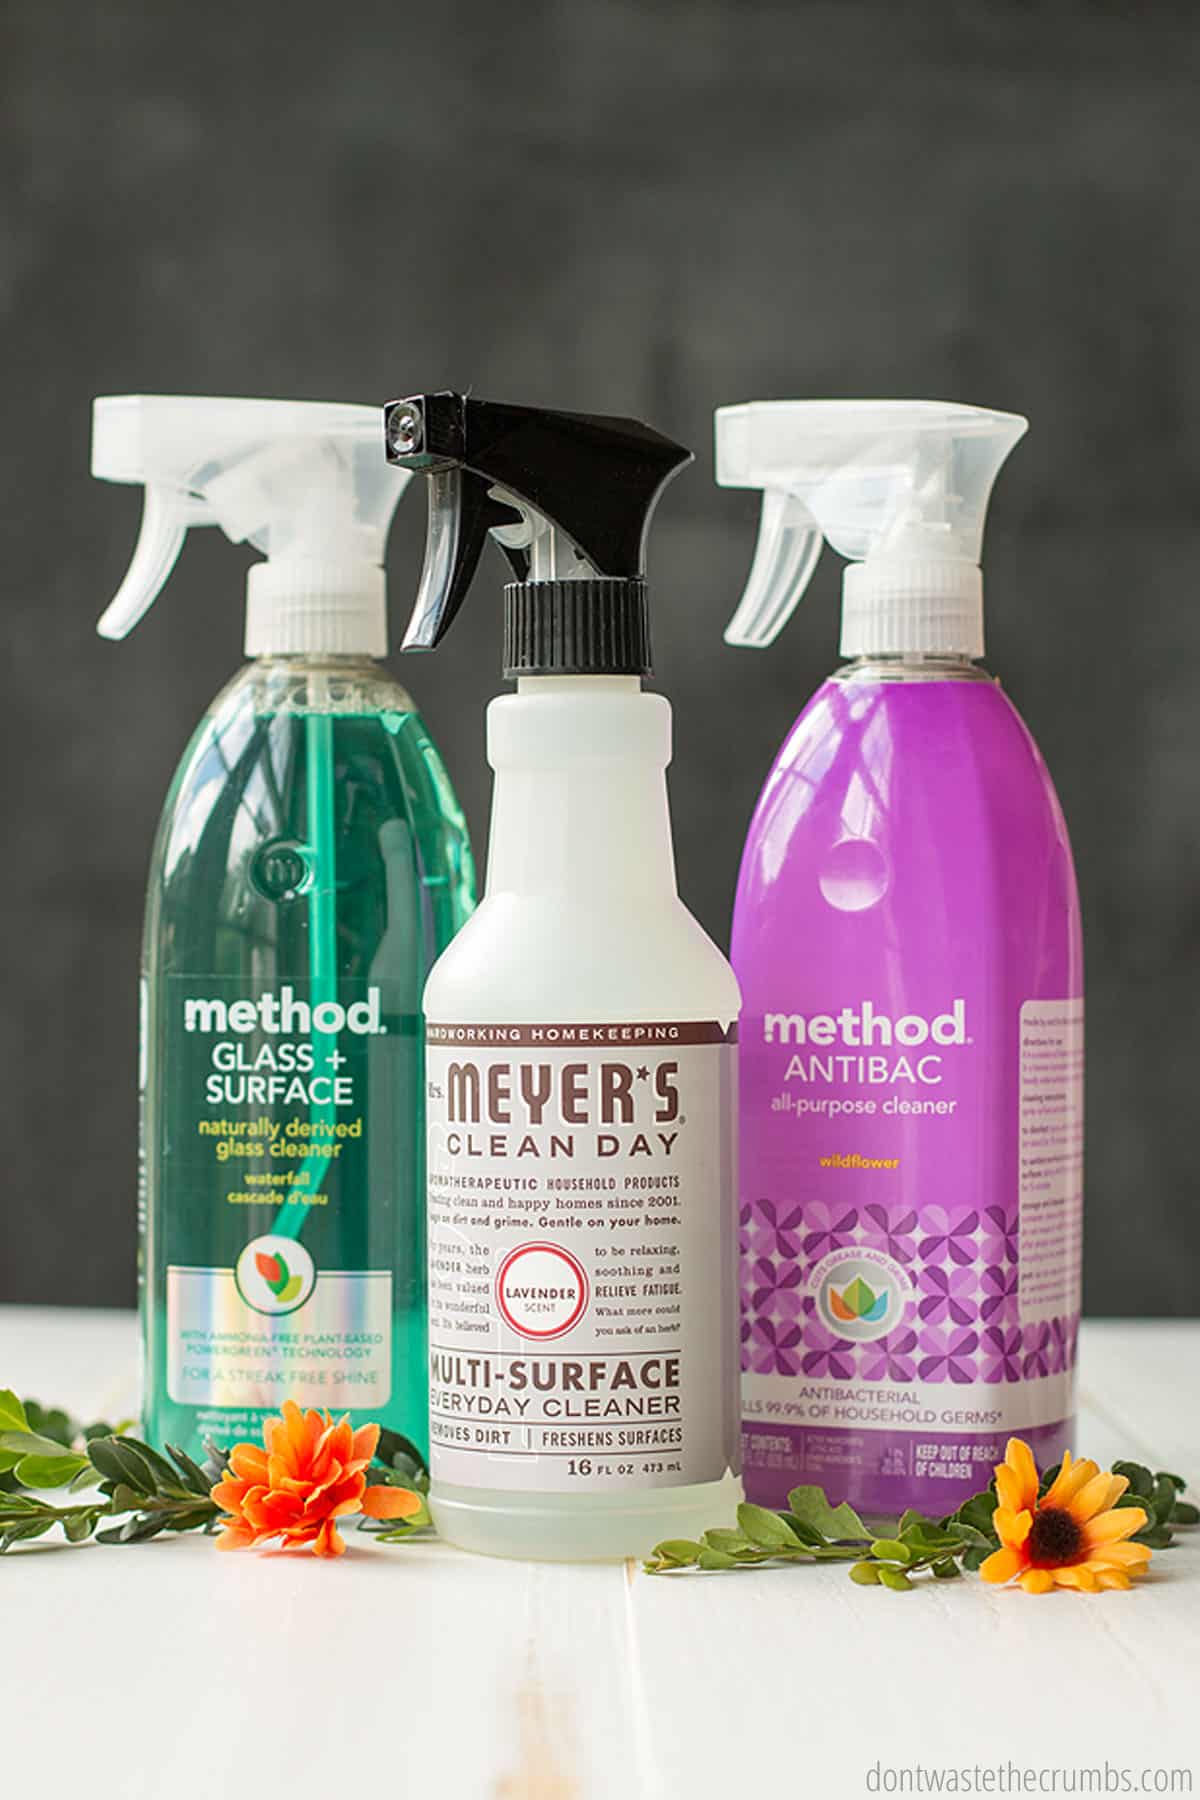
310, 864
581, 1032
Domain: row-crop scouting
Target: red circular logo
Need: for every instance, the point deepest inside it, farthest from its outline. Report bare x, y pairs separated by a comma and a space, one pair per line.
541, 1290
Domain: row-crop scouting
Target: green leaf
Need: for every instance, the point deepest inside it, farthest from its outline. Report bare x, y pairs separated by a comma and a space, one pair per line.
765, 1528
397, 1452
14, 1505
52, 1422
30, 1443
118, 1460
193, 1475
1140, 1480
977, 1514
976, 1556
199, 1518
18, 1534
138, 1529
78, 1526
1159, 1537
911, 1518
891, 1550
866, 1574
678, 1550
946, 1569
811, 1506
50, 1471
728, 1541
808, 1534
166, 1474
716, 1559
125, 1499
924, 1536
1163, 1500
1184, 1513
895, 1579
13, 1416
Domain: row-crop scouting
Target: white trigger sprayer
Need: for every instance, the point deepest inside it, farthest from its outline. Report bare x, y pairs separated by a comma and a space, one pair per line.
898, 487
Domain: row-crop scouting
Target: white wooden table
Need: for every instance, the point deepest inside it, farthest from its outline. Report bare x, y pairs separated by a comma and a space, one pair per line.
417, 1670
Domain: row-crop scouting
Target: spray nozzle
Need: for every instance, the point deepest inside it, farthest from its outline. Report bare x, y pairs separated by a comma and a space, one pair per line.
568, 498
898, 487
302, 482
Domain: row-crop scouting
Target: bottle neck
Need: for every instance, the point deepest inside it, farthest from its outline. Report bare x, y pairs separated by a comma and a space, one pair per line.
580, 809
913, 666
298, 605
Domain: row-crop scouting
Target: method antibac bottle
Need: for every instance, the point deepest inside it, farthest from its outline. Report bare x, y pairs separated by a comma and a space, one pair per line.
907, 938
310, 864
581, 1032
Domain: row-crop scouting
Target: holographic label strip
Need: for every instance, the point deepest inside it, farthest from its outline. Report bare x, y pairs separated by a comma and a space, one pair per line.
332, 1350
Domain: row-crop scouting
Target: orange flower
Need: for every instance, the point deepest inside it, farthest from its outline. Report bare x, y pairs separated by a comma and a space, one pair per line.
310, 1474
1075, 1536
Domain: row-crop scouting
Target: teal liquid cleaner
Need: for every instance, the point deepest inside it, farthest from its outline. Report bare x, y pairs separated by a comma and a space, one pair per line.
310, 865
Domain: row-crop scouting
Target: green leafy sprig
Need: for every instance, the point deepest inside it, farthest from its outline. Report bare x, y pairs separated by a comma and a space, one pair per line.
811, 1529
133, 1493
140, 1493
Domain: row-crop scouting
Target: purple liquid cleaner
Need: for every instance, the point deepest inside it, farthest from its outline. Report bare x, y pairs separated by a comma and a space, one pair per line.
907, 939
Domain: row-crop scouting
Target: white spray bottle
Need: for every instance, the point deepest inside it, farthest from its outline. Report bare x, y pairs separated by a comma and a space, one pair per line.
580, 1032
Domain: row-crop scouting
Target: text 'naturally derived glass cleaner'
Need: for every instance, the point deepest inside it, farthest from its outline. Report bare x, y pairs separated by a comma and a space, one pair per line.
581, 1032
310, 864
907, 938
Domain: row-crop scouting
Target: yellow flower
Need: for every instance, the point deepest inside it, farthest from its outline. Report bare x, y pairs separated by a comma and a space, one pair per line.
1075, 1536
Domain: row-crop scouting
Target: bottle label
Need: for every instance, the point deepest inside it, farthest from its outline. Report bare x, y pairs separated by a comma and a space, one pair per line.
581, 1321
910, 1246
278, 1167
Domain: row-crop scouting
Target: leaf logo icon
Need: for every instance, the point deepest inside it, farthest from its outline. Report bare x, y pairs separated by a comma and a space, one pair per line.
278, 1277
857, 1301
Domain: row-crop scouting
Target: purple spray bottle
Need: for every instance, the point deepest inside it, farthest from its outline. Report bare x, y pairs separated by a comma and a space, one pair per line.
907, 938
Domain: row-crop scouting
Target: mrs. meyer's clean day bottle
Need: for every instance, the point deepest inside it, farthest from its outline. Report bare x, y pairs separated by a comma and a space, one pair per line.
581, 1032
310, 864
907, 938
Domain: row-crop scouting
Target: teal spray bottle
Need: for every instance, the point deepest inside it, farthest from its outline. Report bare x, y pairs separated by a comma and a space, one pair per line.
311, 863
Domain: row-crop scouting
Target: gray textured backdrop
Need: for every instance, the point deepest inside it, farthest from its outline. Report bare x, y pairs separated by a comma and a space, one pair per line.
631, 207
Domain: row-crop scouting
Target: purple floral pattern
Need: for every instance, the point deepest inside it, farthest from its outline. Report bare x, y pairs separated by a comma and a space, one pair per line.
999, 1293
1039, 1352
829, 1228
776, 1229
1001, 1348
947, 1294
949, 1240
1000, 1241
891, 1232
961, 1323
827, 1355
948, 1355
771, 1350
890, 1358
